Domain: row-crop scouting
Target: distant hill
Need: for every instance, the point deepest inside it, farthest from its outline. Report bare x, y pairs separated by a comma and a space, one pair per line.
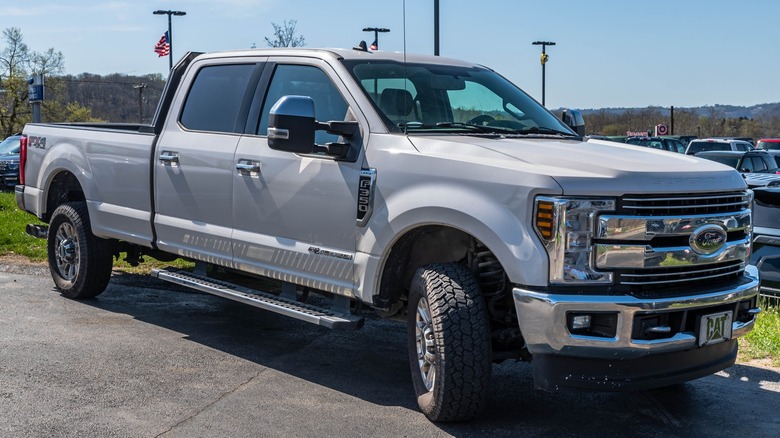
115, 98
764, 110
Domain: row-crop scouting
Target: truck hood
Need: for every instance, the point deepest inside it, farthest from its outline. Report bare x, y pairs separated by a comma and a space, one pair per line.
588, 168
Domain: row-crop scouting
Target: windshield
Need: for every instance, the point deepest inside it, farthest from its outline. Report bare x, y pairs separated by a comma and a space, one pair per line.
768, 145
440, 98
10, 146
728, 161
698, 146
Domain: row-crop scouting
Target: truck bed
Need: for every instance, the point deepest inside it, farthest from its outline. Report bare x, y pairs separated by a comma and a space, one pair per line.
114, 161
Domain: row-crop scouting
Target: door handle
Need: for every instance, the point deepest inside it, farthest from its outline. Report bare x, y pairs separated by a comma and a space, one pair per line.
248, 167
169, 157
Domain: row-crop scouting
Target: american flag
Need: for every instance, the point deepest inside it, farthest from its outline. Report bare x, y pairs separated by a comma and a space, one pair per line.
163, 47
374, 45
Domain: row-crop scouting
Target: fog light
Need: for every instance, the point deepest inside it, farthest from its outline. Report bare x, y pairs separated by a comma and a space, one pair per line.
580, 322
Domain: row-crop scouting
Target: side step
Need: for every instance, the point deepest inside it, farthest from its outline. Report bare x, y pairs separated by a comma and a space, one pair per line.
264, 300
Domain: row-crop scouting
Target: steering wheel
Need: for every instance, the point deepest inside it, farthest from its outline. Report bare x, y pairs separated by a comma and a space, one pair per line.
482, 119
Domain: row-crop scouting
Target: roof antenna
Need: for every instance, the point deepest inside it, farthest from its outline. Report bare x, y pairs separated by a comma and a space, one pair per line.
404, 4
361, 47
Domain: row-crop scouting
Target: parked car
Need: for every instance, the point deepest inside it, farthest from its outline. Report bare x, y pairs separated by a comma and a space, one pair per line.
759, 168
9, 161
769, 144
718, 144
685, 139
665, 144
766, 238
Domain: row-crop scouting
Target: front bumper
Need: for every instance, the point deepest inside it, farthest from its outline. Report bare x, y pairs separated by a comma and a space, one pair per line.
560, 356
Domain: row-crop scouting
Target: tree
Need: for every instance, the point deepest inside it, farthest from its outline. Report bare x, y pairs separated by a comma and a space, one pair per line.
284, 35
17, 64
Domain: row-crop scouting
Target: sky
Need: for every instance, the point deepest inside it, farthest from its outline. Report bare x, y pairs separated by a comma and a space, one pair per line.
608, 53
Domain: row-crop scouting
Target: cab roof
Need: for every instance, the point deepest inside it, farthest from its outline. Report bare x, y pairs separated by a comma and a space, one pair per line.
339, 54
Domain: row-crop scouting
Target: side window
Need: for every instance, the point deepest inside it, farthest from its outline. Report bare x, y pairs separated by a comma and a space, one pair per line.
759, 165
741, 147
747, 165
214, 100
304, 80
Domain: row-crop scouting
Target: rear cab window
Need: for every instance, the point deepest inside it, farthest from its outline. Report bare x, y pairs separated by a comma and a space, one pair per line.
217, 97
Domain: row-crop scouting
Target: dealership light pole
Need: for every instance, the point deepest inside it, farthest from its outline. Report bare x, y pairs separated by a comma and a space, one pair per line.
435, 27
543, 58
170, 32
376, 30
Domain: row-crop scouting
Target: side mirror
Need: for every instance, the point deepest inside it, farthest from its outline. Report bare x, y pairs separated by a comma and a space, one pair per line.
291, 125
573, 119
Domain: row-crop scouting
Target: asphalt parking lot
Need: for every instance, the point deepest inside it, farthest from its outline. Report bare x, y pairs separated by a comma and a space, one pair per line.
146, 359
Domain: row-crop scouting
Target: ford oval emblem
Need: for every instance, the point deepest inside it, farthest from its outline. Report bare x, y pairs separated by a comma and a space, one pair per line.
708, 239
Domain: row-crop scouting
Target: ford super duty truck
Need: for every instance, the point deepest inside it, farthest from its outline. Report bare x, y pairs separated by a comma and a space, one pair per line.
422, 188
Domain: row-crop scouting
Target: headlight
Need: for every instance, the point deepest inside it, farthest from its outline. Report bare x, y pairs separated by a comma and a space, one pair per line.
13, 166
565, 225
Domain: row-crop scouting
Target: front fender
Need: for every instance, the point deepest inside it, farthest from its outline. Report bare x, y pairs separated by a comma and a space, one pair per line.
504, 227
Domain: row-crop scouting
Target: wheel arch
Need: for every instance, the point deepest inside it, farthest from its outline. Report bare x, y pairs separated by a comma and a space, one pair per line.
431, 241
63, 187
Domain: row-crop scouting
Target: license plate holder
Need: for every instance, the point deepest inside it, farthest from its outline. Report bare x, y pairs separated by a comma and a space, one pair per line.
714, 328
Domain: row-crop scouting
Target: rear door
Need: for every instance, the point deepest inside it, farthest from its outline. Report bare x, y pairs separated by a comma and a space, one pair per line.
194, 168
295, 214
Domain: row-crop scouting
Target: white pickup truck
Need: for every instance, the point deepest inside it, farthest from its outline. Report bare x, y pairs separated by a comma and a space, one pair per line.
423, 188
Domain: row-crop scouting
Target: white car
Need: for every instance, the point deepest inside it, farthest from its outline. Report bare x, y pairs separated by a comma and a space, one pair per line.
718, 144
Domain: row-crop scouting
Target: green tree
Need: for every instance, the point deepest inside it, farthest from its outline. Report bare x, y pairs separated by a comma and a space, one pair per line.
284, 35
17, 63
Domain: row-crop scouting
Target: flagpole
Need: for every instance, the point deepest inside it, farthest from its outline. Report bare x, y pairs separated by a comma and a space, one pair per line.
169, 13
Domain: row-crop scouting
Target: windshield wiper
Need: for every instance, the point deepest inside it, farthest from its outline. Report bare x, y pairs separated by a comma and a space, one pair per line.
454, 126
476, 128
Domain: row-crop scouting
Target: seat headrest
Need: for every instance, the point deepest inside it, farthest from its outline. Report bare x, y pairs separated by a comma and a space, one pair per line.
396, 102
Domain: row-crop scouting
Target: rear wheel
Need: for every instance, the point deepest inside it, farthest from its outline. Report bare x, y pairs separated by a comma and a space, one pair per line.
449, 343
80, 263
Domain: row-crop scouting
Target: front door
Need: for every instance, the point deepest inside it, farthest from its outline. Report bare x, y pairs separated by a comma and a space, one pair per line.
295, 215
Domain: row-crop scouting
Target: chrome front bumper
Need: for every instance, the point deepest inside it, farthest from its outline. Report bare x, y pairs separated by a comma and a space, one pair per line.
542, 319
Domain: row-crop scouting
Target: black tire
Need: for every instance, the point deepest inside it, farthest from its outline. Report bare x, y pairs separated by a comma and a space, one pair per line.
451, 372
80, 263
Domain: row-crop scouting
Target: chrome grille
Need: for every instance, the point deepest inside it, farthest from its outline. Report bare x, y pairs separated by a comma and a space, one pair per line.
4, 166
667, 276
684, 204
728, 209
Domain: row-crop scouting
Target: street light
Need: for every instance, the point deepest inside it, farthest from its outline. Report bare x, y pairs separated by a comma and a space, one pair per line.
170, 32
435, 27
543, 58
376, 31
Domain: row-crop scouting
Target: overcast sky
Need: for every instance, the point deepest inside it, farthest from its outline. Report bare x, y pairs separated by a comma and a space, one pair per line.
609, 53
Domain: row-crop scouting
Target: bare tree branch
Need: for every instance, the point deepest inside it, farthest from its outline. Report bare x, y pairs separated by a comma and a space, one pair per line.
284, 35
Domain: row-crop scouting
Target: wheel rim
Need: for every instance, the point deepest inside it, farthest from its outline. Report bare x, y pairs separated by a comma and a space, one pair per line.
426, 347
66, 250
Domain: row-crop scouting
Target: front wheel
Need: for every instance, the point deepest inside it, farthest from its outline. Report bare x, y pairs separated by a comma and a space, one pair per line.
449, 343
80, 263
